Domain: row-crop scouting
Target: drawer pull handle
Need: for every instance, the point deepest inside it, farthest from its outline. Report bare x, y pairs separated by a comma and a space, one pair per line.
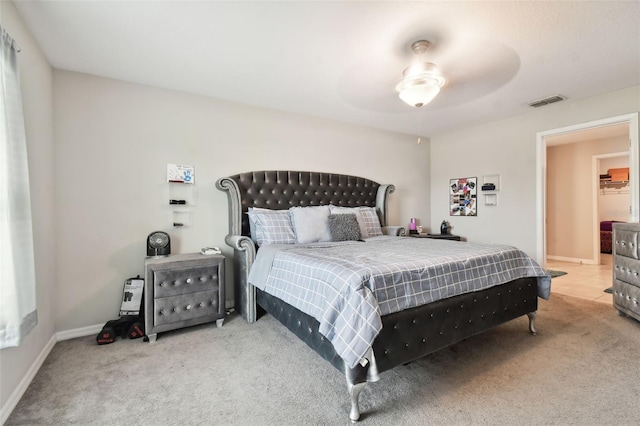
188, 280
188, 307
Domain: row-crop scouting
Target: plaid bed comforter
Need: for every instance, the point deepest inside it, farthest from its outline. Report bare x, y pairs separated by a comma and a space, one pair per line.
348, 286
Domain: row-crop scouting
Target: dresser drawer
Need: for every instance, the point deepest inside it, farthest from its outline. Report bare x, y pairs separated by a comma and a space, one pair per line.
185, 307
171, 282
627, 270
626, 243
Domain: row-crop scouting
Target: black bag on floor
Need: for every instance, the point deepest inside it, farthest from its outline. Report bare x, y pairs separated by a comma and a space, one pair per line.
131, 327
131, 321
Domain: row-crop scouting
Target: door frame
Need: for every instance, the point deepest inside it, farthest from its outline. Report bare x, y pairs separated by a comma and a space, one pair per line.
541, 173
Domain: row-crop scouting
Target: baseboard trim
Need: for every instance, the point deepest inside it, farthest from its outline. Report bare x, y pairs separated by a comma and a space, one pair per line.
13, 400
79, 332
571, 259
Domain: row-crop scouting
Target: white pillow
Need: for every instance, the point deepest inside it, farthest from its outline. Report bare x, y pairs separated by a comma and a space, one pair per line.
271, 227
311, 224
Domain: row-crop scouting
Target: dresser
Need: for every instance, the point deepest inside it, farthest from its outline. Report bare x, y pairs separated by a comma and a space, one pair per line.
626, 269
182, 290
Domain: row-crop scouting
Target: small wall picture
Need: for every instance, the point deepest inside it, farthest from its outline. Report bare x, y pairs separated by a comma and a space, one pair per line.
463, 196
181, 173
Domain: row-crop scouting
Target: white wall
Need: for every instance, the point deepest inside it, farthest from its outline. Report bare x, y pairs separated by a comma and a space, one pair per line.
508, 148
37, 86
114, 140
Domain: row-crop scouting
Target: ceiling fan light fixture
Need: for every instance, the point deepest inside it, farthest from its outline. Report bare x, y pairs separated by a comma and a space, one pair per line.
419, 95
422, 81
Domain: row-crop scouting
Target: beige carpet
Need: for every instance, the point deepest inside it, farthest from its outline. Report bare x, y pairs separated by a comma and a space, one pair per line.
583, 368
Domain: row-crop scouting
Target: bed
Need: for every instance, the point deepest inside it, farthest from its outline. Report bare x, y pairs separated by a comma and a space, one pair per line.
391, 336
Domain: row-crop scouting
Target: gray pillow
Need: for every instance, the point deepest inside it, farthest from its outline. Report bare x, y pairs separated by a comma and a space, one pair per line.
344, 227
352, 210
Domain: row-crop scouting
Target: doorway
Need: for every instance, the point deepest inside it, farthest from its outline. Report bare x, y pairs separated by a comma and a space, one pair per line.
586, 277
574, 190
541, 173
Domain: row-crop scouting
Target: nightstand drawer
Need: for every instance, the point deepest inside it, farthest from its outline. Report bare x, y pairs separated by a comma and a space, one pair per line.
185, 307
183, 290
171, 282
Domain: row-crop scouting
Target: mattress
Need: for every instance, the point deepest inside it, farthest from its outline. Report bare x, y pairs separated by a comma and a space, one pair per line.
348, 286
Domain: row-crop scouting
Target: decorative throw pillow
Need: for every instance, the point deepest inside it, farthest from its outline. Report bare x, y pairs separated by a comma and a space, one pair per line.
344, 227
352, 210
371, 221
310, 224
271, 227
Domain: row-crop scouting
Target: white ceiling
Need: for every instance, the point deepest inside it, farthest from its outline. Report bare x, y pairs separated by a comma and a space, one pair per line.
342, 59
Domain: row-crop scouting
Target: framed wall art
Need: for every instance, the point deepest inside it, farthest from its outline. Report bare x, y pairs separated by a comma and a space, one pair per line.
463, 196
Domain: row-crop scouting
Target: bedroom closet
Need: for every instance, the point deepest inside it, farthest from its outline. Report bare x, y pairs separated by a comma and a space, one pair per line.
613, 196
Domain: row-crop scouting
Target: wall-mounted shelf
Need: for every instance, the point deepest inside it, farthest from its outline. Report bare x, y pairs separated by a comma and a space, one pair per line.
608, 187
613, 183
494, 179
490, 198
181, 194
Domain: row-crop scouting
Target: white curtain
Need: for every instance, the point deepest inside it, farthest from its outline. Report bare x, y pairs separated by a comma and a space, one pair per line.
17, 272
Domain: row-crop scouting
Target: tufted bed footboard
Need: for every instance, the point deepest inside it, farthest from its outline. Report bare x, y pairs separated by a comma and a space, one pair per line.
406, 335
411, 334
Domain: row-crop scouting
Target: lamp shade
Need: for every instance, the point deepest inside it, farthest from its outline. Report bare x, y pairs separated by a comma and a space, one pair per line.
419, 95
421, 83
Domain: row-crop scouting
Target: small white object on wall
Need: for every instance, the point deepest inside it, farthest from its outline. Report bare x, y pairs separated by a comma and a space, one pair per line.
490, 199
181, 173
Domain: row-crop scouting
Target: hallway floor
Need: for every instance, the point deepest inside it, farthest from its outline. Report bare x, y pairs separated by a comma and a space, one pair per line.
583, 281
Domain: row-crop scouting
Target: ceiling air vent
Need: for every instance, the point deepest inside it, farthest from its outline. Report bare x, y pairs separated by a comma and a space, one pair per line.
546, 101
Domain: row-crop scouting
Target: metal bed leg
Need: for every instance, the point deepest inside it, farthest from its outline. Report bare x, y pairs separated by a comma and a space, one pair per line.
532, 320
354, 393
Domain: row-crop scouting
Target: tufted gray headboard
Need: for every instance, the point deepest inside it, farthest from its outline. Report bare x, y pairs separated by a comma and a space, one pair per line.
282, 189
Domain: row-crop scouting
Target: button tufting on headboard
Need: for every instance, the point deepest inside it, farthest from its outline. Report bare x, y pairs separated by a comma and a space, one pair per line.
284, 189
